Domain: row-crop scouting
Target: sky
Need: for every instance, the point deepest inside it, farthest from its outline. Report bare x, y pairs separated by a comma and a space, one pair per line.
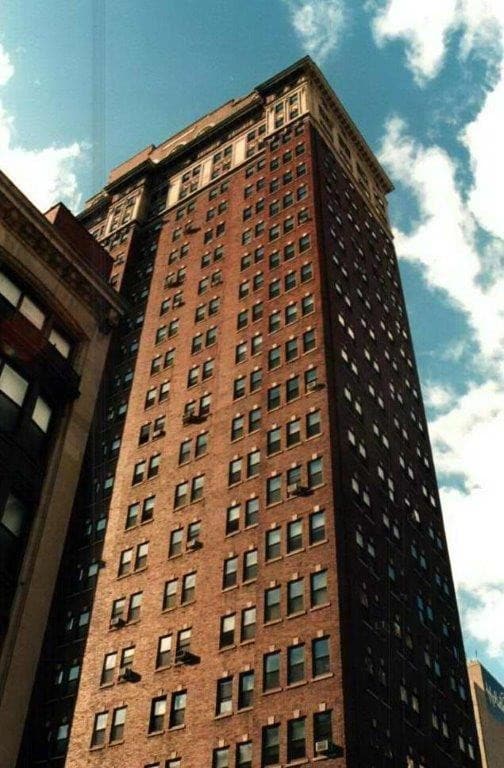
85, 85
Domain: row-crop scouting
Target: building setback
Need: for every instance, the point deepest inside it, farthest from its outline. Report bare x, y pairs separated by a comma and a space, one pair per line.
56, 311
273, 586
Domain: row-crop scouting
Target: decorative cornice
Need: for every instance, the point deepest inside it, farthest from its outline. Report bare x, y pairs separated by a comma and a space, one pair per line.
30, 227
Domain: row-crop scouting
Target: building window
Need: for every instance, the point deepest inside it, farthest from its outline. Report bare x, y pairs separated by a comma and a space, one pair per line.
99, 729
181, 494
295, 664
233, 519
239, 387
118, 723
294, 535
293, 432
157, 714
274, 489
320, 656
170, 594
274, 399
188, 588
250, 565
230, 575
227, 631
319, 593
244, 755
108, 669
138, 472
135, 605
245, 690
296, 739
253, 463
235, 471
224, 705
248, 624
197, 487
254, 420
164, 651
295, 596
237, 427
274, 440
317, 527
271, 671
251, 512
125, 562
270, 745
272, 604
292, 388
153, 468
313, 424
315, 473
291, 349
322, 727
273, 543
221, 758
178, 708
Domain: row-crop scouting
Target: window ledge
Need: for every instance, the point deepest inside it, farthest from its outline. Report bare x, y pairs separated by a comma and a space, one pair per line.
295, 552
323, 676
272, 690
155, 733
296, 614
319, 607
223, 715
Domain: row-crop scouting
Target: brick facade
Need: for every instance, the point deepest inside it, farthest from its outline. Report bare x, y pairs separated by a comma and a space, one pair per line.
269, 227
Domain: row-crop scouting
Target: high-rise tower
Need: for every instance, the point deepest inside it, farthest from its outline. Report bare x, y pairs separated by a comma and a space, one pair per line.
274, 586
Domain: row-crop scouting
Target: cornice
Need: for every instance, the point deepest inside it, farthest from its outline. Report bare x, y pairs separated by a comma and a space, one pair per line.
32, 229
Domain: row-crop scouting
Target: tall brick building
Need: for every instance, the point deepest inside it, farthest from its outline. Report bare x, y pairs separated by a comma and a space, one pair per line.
262, 544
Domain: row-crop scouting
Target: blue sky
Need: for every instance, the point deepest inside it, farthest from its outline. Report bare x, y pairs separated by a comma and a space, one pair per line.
84, 85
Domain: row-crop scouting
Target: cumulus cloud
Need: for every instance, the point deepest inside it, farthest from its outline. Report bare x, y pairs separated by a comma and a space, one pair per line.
438, 396
444, 244
426, 29
45, 175
483, 139
318, 24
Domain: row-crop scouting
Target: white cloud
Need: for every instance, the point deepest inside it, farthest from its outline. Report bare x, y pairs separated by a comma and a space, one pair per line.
426, 29
318, 24
6, 67
444, 242
483, 139
45, 175
484, 620
424, 26
438, 396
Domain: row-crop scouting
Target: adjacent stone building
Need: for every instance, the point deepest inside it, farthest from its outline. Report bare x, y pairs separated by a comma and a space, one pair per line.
56, 311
